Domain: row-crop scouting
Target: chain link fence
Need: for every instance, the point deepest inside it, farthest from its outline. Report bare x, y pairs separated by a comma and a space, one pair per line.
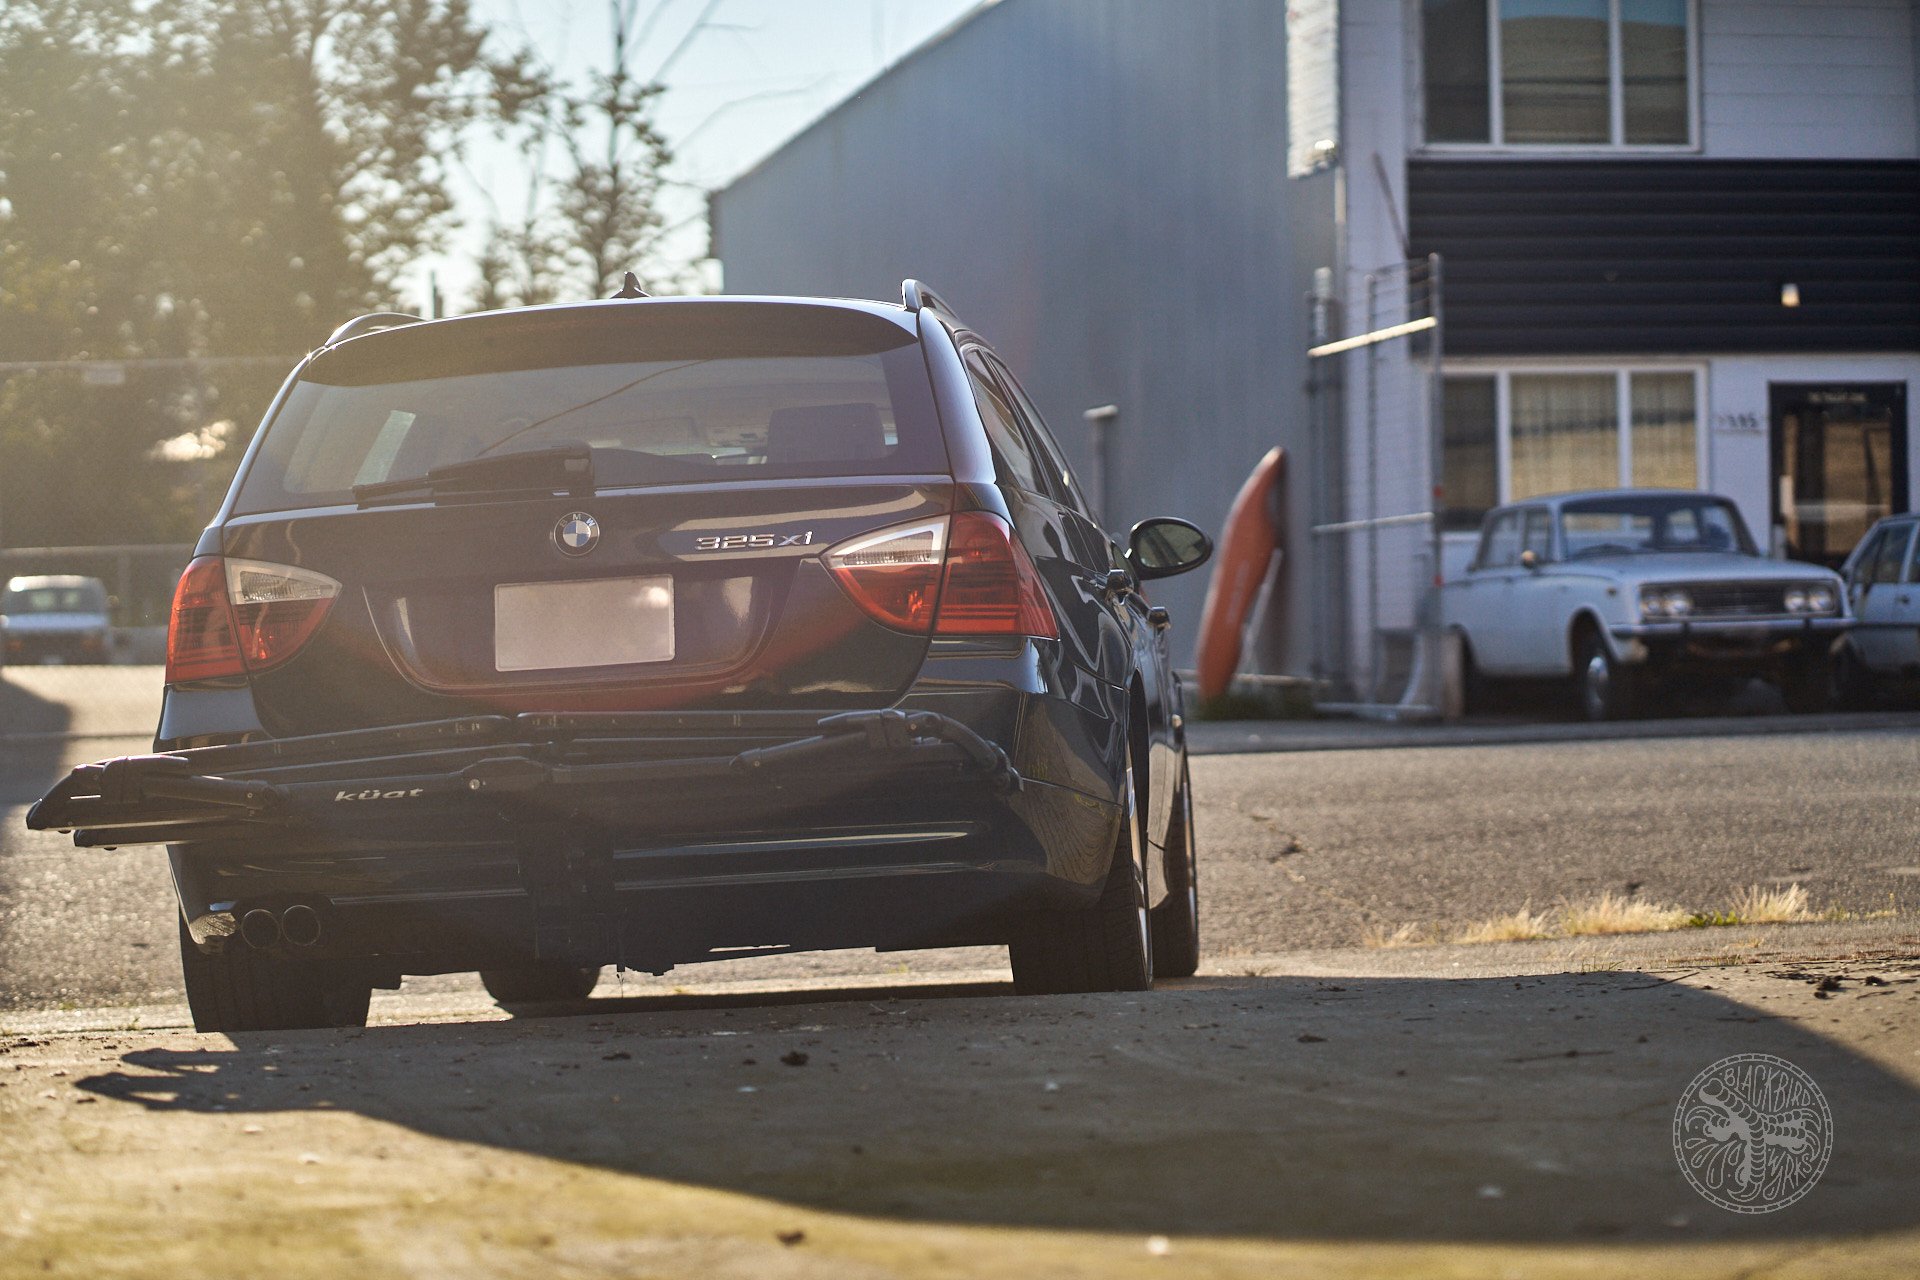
118, 696
1376, 533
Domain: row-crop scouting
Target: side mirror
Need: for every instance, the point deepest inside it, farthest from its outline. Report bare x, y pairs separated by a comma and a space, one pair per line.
1164, 546
1529, 559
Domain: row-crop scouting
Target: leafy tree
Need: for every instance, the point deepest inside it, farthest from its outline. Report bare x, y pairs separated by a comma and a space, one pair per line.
186, 178
592, 215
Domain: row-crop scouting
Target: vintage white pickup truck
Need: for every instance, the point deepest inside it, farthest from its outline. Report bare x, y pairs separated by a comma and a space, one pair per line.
1626, 590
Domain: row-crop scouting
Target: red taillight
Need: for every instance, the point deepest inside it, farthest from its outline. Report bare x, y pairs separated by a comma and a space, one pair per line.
235, 617
894, 574
200, 640
991, 586
276, 609
966, 575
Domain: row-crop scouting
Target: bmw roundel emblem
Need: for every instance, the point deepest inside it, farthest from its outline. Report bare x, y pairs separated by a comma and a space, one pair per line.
577, 533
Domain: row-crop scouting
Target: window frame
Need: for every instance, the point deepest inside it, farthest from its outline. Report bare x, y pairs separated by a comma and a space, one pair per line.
1057, 473
1541, 514
1616, 98
977, 353
1488, 527
1622, 372
1900, 569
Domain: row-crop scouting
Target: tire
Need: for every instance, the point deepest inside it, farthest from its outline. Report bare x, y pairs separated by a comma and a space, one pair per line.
1475, 695
246, 990
1105, 947
542, 982
1807, 684
1175, 923
1854, 686
1606, 690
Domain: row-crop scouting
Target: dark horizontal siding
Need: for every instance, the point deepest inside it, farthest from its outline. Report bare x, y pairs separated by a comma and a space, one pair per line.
1686, 256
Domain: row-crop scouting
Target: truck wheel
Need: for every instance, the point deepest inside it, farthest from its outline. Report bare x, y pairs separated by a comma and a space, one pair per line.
1807, 684
1607, 689
1105, 947
246, 990
543, 982
1175, 923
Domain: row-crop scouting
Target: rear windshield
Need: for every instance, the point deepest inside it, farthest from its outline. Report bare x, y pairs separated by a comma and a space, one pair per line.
662, 394
82, 598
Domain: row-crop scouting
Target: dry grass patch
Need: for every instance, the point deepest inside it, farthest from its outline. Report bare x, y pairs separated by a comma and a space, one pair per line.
1523, 925
1379, 937
1618, 913
1758, 904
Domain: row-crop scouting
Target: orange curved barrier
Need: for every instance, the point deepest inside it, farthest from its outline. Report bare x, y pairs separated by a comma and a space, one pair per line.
1247, 543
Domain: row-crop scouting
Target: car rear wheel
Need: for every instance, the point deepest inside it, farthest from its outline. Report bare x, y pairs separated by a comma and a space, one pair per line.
1607, 689
1175, 923
543, 982
245, 990
1807, 685
1107, 947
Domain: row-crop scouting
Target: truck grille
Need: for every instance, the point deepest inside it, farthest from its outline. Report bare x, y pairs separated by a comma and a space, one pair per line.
1737, 599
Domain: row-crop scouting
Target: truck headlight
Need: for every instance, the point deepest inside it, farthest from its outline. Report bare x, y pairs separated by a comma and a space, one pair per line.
1665, 602
1814, 599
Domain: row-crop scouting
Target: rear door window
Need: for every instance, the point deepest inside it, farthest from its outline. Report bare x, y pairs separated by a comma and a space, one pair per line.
1002, 422
662, 393
1065, 484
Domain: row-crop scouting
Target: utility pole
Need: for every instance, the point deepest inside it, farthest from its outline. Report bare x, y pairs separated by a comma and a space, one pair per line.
1100, 423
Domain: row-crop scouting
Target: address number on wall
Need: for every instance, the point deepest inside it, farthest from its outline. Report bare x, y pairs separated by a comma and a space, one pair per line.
1739, 422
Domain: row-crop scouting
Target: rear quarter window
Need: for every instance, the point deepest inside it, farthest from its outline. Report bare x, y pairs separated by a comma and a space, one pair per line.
662, 393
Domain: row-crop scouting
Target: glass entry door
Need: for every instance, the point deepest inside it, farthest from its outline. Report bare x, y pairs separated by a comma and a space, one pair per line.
1839, 463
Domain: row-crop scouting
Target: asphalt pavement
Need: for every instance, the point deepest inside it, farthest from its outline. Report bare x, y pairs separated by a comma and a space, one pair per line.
1304, 847
1309, 1105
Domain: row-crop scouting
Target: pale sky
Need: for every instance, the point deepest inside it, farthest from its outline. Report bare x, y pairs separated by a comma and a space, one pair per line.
758, 73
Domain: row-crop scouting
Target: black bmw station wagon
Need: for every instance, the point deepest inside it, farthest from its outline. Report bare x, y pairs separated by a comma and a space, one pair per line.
647, 631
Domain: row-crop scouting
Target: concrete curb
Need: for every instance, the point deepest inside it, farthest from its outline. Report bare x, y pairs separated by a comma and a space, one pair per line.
1262, 736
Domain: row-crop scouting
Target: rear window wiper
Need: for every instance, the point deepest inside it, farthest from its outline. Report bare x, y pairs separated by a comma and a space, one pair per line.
564, 468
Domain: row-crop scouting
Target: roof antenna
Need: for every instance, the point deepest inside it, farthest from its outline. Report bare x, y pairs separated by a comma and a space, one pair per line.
630, 288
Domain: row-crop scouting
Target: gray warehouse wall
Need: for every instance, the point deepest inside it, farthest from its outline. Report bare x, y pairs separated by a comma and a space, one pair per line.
1099, 187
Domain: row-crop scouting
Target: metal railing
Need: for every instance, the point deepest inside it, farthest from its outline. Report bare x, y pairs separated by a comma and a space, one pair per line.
1376, 530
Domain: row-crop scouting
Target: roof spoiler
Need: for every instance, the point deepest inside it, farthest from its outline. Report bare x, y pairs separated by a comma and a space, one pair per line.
369, 323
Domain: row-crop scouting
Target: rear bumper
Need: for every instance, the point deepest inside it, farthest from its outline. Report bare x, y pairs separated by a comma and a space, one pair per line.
645, 840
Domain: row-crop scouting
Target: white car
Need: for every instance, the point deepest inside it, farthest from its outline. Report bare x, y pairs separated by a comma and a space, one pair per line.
54, 618
1883, 589
1621, 589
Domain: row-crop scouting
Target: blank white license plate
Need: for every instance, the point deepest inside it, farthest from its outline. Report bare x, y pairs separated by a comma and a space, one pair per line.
552, 626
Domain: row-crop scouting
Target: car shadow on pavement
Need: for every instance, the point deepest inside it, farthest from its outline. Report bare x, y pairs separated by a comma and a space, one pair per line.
1404, 1109
32, 742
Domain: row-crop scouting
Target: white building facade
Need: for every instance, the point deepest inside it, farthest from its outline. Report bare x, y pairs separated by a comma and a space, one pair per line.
1678, 244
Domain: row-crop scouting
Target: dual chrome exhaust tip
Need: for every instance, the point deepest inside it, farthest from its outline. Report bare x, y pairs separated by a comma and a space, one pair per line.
297, 925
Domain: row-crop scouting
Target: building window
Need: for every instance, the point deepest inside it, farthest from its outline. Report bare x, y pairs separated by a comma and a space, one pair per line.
1470, 451
1558, 73
1516, 434
1564, 433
